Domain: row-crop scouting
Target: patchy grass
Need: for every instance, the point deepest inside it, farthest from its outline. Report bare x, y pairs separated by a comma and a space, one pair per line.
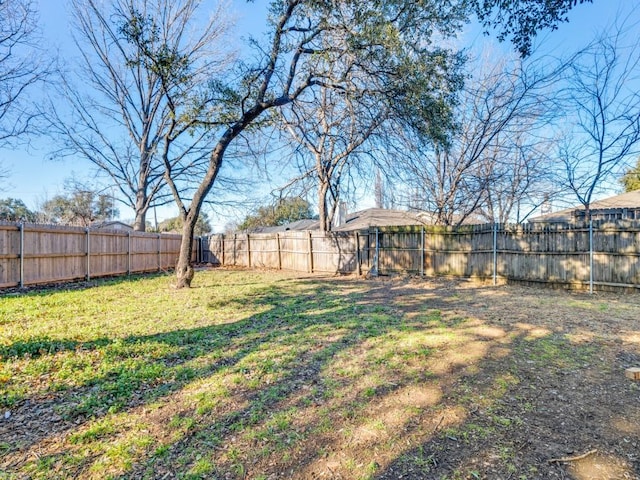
262, 375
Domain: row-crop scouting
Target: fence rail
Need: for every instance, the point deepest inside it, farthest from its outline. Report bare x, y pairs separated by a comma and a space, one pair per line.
33, 254
578, 255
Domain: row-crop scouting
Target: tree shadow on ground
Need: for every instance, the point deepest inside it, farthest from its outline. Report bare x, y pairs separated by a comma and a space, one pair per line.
384, 379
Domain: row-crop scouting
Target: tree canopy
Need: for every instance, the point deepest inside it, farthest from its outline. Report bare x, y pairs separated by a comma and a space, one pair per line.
631, 178
119, 120
521, 20
20, 67
285, 210
79, 207
174, 225
14, 210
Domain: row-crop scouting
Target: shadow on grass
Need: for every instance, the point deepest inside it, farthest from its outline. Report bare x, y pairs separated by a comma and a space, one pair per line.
54, 288
133, 374
360, 380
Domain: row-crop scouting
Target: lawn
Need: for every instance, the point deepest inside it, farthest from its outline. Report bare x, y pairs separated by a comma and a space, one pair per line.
263, 375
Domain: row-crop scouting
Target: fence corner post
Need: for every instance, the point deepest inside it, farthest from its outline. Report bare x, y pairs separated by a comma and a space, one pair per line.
376, 258
248, 250
222, 249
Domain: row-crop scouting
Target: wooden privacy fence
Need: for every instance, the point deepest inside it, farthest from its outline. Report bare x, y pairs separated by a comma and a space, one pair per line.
576, 255
34, 254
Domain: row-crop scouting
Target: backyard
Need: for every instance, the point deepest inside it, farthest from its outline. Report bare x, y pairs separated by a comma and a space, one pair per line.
265, 375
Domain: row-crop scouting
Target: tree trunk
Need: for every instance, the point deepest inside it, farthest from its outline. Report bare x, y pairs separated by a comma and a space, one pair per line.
322, 206
140, 223
184, 269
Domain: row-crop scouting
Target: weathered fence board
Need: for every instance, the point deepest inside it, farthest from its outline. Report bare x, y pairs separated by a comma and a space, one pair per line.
34, 254
548, 253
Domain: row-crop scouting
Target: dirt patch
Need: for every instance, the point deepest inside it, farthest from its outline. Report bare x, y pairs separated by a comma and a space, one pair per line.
563, 391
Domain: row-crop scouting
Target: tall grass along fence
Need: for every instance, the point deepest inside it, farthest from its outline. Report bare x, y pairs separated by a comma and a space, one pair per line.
33, 254
585, 255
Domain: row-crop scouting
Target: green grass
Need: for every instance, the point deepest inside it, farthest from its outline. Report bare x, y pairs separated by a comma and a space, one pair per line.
245, 374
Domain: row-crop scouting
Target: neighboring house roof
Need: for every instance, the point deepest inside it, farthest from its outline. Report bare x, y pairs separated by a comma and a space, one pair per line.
371, 217
306, 224
382, 217
628, 200
111, 225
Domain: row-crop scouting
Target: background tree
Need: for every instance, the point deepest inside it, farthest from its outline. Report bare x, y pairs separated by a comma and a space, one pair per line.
79, 206
120, 116
602, 115
21, 69
490, 154
305, 42
14, 210
285, 210
330, 127
520, 178
174, 225
631, 178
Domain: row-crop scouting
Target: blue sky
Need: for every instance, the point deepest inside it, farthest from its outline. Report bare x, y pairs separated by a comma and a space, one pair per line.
34, 177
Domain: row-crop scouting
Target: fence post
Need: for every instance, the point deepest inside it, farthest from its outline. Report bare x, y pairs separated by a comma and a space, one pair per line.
358, 265
222, 244
235, 251
279, 251
422, 251
495, 254
248, 251
159, 259
376, 256
21, 254
591, 256
310, 262
129, 253
88, 254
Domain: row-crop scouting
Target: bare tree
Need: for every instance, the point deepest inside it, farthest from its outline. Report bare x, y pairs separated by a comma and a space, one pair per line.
602, 108
20, 69
497, 116
330, 127
121, 121
520, 178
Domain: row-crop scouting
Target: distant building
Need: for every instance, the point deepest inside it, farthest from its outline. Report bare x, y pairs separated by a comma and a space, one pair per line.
111, 225
619, 207
298, 225
383, 217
